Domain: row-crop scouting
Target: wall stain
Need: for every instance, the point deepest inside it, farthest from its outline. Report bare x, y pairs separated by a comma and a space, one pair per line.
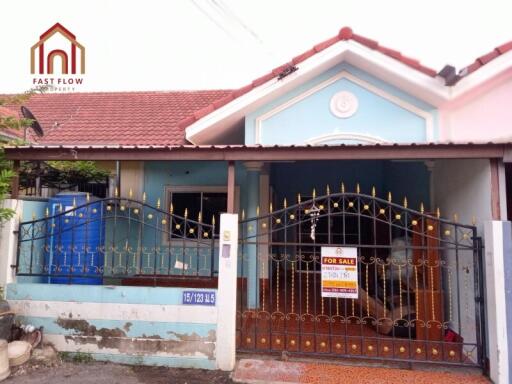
116, 338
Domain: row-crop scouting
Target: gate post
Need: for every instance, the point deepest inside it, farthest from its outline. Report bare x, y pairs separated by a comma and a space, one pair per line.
498, 284
227, 292
9, 242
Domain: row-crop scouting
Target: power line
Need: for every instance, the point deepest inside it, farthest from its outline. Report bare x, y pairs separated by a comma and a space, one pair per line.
207, 14
231, 15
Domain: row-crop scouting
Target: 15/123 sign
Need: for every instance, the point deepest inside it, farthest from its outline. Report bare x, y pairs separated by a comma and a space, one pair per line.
198, 297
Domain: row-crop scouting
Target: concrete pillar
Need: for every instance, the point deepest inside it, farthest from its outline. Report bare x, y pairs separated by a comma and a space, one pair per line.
9, 242
251, 250
227, 291
498, 288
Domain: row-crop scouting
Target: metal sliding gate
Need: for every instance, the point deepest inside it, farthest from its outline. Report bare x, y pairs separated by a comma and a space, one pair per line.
412, 292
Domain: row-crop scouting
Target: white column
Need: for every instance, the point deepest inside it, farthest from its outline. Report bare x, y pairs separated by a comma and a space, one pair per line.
226, 293
498, 275
9, 242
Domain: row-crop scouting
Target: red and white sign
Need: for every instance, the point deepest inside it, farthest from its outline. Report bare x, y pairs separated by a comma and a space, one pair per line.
339, 272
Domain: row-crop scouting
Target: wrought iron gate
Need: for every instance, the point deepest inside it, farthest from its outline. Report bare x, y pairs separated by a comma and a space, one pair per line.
122, 240
419, 283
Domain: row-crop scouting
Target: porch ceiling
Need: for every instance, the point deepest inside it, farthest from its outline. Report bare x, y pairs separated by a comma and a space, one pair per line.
261, 153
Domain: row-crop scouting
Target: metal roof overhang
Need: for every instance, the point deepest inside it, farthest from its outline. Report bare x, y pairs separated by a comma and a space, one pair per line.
261, 153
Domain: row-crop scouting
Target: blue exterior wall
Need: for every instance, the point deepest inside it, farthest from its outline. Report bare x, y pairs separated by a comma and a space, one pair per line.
158, 176
311, 117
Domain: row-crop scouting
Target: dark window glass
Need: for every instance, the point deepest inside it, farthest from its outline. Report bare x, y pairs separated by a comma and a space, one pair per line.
210, 204
213, 205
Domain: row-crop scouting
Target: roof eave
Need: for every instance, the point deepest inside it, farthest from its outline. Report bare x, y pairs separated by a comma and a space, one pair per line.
426, 88
481, 76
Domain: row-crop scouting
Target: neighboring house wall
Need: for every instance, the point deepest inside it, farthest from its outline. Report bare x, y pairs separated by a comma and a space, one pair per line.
483, 115
132, 179
463, 187
303, 115
32, 208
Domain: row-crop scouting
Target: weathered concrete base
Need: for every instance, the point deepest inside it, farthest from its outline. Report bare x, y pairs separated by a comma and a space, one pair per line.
130, 325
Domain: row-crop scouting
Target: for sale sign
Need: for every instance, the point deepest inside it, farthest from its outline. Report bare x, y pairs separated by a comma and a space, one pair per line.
339, 272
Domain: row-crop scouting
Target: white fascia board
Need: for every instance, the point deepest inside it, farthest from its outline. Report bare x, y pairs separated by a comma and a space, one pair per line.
482, 75
429, 89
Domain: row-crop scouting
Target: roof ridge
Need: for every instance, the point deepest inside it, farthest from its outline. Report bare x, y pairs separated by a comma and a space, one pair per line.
344, 34
485, 59
126, 92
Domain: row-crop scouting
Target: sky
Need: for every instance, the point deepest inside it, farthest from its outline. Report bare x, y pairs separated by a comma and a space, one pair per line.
156, 45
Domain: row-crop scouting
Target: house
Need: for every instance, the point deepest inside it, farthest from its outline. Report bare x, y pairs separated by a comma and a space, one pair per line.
351, 152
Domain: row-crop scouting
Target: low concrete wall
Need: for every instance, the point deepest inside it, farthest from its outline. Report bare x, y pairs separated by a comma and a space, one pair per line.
133, 325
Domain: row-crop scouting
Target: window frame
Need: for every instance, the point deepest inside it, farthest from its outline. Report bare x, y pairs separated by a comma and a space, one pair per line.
169, 189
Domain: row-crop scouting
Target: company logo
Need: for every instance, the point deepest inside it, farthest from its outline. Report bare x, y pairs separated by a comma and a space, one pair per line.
56, 59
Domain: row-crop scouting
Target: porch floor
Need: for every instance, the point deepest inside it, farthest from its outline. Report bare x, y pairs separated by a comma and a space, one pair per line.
265, 371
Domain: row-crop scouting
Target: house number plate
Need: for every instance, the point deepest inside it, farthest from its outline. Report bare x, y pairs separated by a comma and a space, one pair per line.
199, 297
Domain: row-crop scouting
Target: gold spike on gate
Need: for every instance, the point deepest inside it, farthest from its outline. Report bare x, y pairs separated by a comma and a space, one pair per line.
33, 215
405, 201
328, 190
342, 187
438, 213
158, 204
130, 193
171, 209
185, 214
243, 214
213, 220
270, 208
314, 193
455, 217
87, 197
116, 192
298, 198
422, 208
374, 193
473, 220
199, 217
47, 212
258, 210
74, 202
143, 197
285, 203
389, 197
358, 188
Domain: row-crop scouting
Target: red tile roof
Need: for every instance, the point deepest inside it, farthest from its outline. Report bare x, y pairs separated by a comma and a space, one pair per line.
488, 57
123, 118
344, 34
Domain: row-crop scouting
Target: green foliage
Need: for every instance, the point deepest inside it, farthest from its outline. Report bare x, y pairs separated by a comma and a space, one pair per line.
6, 175
12, 122
76, 357
25, 96
15, 122
72, 172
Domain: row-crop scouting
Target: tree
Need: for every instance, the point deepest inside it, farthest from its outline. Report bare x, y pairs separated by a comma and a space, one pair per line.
12, 122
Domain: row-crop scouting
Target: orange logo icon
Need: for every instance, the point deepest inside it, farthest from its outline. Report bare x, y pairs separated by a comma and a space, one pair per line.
67, 53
